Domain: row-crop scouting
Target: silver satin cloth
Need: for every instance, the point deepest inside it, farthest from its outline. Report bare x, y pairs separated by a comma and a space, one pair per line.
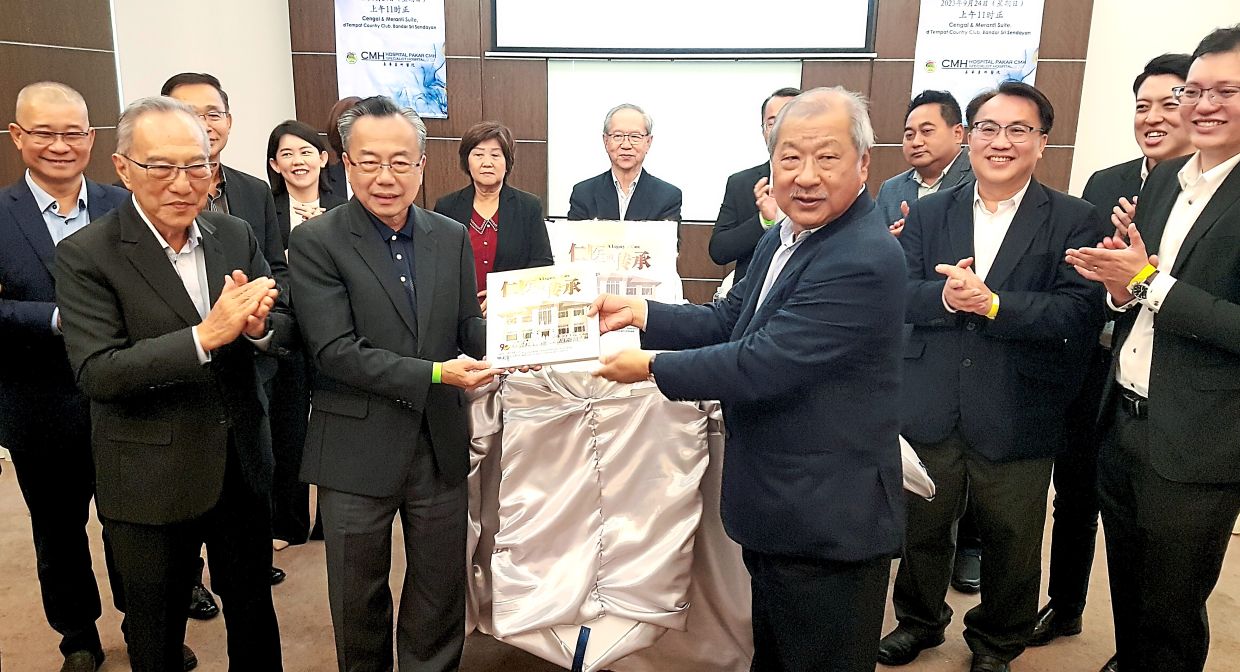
595, 503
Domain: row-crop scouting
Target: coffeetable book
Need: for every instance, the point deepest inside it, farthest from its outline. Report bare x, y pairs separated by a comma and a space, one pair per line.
538, 315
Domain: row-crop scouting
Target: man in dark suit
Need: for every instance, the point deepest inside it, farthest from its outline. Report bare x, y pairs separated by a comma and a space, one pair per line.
626, 191
809, 339
739, 224
155, 298
1169, 469
1000, 327
387, 294
1161, 136
44, 419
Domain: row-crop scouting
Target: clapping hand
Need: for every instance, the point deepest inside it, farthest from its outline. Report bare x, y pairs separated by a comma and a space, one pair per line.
1113, 262
242, 307
965, 292
897, 227
307, 211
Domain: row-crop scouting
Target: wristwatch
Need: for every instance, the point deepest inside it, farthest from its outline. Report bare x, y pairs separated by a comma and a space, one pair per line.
1141, 290
650, 367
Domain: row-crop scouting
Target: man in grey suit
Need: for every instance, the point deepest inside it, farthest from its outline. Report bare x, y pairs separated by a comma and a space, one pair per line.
933, 131
387, 293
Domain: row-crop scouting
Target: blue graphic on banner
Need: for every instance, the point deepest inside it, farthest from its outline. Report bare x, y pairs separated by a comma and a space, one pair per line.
393, 48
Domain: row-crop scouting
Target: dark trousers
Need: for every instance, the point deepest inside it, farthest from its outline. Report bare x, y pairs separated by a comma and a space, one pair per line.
1009, 499
1165, 545
430, 629
289, 409
968, 539
1076, 494
154, 561
816, 615
58, 483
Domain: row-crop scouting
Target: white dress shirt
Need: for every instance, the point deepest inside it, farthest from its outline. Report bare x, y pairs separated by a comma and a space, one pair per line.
1196, 190
990, 228
623, 197
923, 188
191, 266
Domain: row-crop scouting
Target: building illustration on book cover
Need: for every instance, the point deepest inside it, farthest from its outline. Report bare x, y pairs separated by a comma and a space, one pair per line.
538, 316
631, 260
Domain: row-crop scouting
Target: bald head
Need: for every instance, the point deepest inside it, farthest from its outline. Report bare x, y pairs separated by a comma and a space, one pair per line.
42, 94
825, 101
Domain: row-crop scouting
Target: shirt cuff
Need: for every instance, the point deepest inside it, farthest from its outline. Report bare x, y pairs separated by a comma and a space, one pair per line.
203, 356
944, 296
56, 321
1161, 284
261, 343
1120, 309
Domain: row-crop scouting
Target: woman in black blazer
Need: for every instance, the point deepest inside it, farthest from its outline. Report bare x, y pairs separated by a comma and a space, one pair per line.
505, 224
296, 158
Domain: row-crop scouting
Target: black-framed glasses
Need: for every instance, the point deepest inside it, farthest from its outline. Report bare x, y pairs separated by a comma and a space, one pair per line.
214, 116
163, 172
1191, 95
1016, 133
71, 138
369, 167
633, 138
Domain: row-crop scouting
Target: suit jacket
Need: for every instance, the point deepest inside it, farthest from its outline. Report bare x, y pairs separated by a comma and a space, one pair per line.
737, 228
39, 403
1107, 186
337, 179
523, 241
903, 187
1006, 383
653, 199
162, 422
249, 198
808, 384
327, 201
373, 393
1194, 421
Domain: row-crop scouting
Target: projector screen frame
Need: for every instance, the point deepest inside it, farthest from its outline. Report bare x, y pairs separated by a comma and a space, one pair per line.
865, 51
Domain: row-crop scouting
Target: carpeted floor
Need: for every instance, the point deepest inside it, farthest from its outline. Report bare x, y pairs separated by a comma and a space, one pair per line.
27, 644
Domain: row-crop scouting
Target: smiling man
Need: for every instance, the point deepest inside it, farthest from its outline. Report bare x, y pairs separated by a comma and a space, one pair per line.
1000, 327
626, 191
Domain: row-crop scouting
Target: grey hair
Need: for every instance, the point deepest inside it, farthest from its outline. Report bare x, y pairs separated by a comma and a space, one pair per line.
49, 91
817, 101
628, 106
150, 105
379, 106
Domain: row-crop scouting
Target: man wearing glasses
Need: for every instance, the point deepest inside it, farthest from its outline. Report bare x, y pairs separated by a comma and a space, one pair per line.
1001, 330
626, 191
44, 419
163, 309
1169, 468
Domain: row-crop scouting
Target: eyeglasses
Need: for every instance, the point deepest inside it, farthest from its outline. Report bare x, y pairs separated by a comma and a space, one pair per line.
398, 167
1016, 133
162, 172
1191, 95
633, 138
71, 138
213, 116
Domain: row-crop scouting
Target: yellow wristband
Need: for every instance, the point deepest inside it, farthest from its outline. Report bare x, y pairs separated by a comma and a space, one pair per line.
1142, 275
436, 372
994, 306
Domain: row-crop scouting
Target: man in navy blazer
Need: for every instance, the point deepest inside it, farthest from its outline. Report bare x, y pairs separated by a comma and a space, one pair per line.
626, 191
44, 419
1001, 328
804, 354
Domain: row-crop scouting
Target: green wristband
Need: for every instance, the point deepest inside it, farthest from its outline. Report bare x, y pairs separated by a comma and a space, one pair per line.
766, 223
436, 373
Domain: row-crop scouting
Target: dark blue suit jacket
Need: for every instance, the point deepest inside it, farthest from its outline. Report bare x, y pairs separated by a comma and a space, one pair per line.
1005, 382
808, 384
39, 402
653, 200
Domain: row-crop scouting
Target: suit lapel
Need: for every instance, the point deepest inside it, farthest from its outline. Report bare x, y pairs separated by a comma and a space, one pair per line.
1154, 210
608, 202
425, 253
1226, 196
217, 265
149, 258
960, 225
507, 214
1030, 217
30, 221
960, 171
284, 217
756, 276
375, 254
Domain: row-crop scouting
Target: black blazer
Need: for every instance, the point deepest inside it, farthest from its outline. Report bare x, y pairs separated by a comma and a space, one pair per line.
327, 201
1005, 382
523, 241
374, 356
40, 404
737, 228
337, 179
808, 383
1194, 420
161, 422
249, 198
653, 200
1107, 186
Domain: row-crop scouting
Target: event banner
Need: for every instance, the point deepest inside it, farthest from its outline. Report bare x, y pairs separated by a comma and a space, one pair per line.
393, 48
538, 315
969, 46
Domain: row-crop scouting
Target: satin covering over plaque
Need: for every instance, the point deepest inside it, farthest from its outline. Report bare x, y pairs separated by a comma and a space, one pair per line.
594, 503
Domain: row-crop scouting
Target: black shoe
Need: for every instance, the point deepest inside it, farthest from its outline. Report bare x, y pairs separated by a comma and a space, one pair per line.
191, 661
277, 576
901, 646
967, 572
983, 663
1052, 624
202, 605
82, 661
1112, 665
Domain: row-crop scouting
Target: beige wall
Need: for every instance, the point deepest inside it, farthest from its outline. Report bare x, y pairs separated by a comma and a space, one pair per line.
243, 42
1123, 36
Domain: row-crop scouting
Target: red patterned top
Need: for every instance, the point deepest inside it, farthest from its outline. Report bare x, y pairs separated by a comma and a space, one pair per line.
484, 235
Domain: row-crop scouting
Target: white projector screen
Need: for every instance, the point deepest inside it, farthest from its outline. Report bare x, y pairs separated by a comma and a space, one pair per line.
683, 27
707, 122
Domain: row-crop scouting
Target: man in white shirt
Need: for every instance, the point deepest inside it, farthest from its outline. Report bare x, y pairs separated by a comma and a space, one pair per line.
626, 190
1169, 471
